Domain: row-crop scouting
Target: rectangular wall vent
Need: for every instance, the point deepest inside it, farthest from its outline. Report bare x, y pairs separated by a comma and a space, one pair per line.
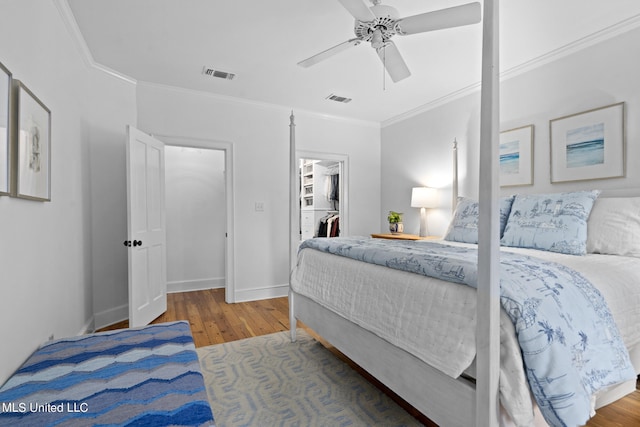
337, 98
211, 72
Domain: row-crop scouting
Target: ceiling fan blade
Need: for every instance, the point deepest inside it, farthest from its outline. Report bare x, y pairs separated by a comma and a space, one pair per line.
329, 52
358, 9
393, 62
457, 16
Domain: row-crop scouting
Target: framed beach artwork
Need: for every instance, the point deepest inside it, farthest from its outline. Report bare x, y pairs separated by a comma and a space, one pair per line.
33, 175
516, 156
588, 145
5, 146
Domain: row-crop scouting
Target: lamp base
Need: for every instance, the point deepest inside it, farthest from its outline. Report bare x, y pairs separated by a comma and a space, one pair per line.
424, 230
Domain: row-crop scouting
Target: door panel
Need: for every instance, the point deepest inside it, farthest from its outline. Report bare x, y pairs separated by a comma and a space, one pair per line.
146, 225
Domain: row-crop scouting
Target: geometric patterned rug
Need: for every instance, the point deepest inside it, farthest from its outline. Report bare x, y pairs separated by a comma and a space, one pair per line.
270, 381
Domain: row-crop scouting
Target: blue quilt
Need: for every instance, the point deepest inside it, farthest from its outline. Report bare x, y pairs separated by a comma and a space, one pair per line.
144, 377
570, 343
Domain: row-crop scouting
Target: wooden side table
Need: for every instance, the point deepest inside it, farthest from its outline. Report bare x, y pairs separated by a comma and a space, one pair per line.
401, 236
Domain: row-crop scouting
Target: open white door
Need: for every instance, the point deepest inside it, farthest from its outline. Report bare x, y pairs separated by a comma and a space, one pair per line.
146, 228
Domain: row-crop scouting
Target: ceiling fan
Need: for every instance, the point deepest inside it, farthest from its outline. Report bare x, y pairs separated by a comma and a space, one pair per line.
378, 23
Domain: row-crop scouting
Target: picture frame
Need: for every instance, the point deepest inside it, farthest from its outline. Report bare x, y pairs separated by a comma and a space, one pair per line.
32, 145
5, 121
588, 145
516, 156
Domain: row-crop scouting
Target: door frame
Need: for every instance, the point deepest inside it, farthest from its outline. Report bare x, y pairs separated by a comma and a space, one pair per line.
343, 160
227, 147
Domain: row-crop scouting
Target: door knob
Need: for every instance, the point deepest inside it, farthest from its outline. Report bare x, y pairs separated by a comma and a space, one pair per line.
137, 243
127, 242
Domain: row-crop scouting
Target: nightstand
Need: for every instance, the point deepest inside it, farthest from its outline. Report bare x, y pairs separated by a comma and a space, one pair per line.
401, 236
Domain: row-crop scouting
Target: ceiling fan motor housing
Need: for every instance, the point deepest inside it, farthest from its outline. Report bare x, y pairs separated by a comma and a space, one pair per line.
383, 26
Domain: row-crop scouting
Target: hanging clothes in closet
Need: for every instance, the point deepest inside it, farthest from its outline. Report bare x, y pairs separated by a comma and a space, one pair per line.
329, 226
332, 185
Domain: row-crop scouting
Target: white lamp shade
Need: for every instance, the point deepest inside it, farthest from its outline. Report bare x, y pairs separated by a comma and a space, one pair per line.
424, 197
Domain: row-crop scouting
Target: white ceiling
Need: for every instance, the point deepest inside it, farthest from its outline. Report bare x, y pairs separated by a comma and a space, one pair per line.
169, 42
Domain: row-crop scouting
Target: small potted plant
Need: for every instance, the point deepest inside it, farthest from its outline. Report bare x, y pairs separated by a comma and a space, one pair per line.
395, 222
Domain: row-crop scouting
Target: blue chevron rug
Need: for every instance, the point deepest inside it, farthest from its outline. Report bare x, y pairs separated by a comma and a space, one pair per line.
146, 376
269, 381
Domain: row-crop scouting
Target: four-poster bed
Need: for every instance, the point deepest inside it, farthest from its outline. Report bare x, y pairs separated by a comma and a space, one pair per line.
416, 331
484, 407
491, 391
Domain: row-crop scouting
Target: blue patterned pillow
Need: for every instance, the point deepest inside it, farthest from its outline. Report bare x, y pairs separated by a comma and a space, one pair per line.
550, 222
464, 225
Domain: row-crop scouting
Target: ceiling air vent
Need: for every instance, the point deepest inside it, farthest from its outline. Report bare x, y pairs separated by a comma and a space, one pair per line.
337, 98
211, 72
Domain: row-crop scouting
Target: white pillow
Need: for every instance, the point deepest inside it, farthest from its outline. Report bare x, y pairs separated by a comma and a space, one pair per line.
614, 226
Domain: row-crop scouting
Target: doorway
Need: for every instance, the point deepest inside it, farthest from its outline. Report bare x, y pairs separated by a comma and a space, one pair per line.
323, 202
205, 166
194, 194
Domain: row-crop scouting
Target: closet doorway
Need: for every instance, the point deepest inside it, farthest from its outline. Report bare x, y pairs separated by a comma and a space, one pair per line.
323, 201
199, 194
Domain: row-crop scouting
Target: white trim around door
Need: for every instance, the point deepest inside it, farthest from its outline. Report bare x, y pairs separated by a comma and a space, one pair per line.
227, 147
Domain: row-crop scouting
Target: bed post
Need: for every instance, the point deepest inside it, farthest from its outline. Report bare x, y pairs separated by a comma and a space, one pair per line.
454, 189
488, 303
294, 195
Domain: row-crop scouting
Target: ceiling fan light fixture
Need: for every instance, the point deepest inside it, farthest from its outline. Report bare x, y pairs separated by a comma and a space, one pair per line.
377, 41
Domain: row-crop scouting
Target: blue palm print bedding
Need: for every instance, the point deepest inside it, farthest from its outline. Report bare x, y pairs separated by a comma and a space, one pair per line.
570, 343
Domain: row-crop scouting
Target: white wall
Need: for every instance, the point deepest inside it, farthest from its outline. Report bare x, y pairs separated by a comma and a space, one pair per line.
113, 107
196, 218
63, 264
260, 138
417, 151
46, 247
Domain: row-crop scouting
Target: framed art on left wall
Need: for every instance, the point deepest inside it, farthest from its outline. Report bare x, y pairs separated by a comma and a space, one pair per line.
33, 150
5, 146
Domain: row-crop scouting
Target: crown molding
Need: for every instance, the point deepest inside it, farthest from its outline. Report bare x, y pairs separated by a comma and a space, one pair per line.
74, 30
551, 56
260, 104
574, 47
72, 27
605, 34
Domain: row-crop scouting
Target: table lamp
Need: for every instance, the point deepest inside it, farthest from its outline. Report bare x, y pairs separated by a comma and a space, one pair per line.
423, 198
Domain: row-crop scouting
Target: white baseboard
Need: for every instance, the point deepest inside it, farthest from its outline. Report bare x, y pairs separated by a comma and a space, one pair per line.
88, 327
195, 285
111, 316
120, 313
262, 293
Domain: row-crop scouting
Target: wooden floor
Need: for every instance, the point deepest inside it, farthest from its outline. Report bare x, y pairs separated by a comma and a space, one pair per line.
213, 322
